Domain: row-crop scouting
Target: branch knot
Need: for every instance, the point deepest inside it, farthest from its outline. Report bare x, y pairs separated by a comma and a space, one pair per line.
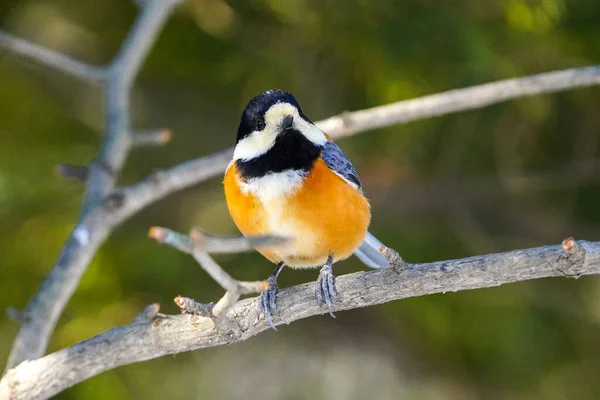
575, 255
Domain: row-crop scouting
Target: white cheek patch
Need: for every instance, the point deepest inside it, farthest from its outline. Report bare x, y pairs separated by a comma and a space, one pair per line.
310, 131
274, 185
255, 144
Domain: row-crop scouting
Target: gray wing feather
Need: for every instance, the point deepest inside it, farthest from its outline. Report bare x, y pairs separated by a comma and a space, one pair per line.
337, 161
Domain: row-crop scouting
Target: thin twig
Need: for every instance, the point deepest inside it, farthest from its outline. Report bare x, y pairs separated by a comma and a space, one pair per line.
191, 306
459, 100
232, 244
212, 243
213, 269
51, 58
200, 243
123, 345
157, 137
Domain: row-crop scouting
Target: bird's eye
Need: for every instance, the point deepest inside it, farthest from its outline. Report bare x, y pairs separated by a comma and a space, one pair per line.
260, 124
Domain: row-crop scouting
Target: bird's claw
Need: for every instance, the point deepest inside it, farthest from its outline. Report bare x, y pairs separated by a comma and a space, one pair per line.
266, 302
326, 287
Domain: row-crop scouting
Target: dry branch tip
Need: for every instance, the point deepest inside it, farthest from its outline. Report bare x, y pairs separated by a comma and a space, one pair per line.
191, 306
157, 233
264, 285
393, 257
157, 137
569, 244
166, 135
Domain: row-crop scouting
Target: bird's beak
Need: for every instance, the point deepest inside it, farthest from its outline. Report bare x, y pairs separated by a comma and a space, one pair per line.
287, 123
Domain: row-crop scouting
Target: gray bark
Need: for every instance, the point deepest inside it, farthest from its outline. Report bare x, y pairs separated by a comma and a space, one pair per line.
148, 337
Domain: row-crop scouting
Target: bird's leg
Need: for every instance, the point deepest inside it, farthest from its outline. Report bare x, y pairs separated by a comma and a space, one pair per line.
266, 301
326, 285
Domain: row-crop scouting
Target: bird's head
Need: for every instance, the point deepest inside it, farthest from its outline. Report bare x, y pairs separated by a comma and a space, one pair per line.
271, 117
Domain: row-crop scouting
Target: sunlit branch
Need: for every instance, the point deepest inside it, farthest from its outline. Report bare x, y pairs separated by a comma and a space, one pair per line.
94, 226
168, 334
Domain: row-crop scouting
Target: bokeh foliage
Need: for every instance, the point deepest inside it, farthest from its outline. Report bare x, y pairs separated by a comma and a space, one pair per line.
514, 175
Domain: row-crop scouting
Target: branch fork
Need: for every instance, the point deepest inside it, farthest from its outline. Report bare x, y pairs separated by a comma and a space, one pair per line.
199, 244
95, 222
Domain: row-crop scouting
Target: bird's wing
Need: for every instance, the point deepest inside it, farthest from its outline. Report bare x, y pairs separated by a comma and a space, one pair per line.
337, 161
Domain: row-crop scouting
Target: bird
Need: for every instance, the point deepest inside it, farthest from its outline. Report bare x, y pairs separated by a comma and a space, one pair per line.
288, 178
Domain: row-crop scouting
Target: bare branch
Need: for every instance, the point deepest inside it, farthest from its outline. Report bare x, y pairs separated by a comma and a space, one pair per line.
200, 243
232, 244
351, 123
191, 306
211, 243
121, 74
161, 184
393, 258
189, 245
51, 58
94, 226
459, 100
156, 137
136, 342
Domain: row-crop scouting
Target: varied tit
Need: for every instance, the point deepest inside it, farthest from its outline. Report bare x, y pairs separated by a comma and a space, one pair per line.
288, 178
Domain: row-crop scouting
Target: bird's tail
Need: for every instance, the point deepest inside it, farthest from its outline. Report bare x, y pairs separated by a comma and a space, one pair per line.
368, 252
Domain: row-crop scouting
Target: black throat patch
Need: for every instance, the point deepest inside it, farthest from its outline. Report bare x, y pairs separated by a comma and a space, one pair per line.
292, 150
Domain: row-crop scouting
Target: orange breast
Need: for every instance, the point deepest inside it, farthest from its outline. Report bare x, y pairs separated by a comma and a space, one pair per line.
246, 209
324, 216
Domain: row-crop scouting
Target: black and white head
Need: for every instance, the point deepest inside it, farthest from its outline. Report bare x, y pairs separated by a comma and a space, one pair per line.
275, 136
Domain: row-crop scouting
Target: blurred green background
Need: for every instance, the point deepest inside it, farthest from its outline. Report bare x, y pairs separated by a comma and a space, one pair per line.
514, 175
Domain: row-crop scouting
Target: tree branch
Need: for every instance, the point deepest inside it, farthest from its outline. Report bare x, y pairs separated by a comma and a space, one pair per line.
166, 334
199, 244
351, 123
105, 206
46, 306
459, 100
51, 58
212, 243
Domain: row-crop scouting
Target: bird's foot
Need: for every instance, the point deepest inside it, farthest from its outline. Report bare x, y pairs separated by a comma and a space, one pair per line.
266, 301
326, 287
